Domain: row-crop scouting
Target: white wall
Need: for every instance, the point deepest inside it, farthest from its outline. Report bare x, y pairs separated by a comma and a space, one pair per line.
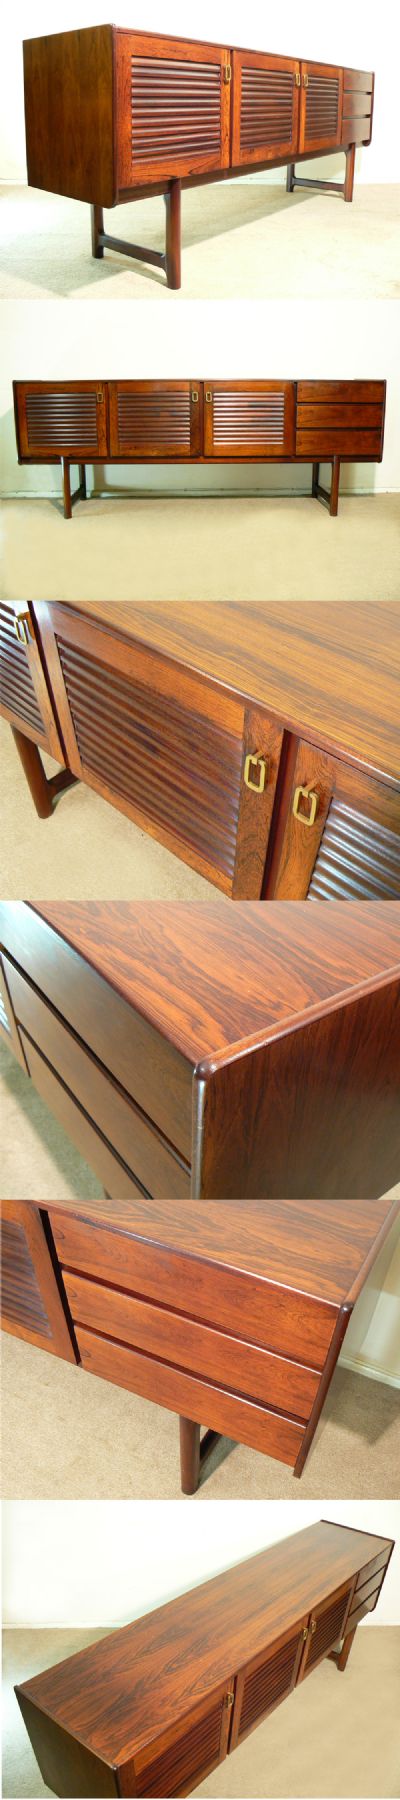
200, 340
356, 34
85, 1563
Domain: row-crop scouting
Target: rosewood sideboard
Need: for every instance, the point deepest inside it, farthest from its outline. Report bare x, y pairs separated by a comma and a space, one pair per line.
115, 115
192, 422
231, 1315
214, 1051
260, 743
155, 1706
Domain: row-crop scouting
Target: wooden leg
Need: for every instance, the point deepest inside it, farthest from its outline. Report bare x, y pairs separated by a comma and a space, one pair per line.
82, 481
173, 234
334, 500
349, 176
190, 1455
341, 1657
290, 178
67, 489
315, 480
97, 226
43, 791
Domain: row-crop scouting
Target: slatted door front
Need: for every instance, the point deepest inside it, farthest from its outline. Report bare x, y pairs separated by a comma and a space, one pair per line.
266, 97
342, 834
24, 697
249, 420
173, 108
190, 763
264, 1682
31, 1306
320, 107
183, 1755
155, 420
326, 1628
60, 418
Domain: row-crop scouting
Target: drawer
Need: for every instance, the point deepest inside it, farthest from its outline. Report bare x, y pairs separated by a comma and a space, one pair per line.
293, 1325
204, 1402
373, 1586
379, 1563
155, 420
198, 1348
367, 392
8, 1024
359, 1612
24, 697
184, 758
340, 418
111, 1172
150, 1070
131, 1135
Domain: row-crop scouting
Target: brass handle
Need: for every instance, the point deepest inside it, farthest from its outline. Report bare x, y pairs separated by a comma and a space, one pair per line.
305, 1631
194, 396
227, 72
208, 394
305, 793
99, 395
313, 1626
297, 78
230, 1699
256, 762
23, 628
305, 81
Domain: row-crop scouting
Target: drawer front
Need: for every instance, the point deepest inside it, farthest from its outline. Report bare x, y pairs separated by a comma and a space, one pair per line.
369, 1588
31, 1305
293, 1325
150, 1070
351, 848
8, 1024
326, 1628
132, 1136
340, 418
378, 1564
169, 750
253, 420
117, 1180
63, 418
183, 1755
178, 1339
360, 1610
155, 420
24, 699
173, 108
321, 106
204, 1402
358, 99
266, 98
265, 1681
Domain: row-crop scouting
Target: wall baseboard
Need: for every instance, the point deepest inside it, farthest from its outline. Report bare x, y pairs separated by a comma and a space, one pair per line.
360, 1366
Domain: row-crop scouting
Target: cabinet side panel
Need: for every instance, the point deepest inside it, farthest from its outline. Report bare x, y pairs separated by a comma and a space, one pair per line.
66, 1765
68, 80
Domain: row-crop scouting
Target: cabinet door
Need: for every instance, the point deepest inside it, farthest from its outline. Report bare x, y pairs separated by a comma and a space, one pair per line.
24, 697
8, 1025
326, 1627
340, 418
341, 837
172, 108
265, 1681
155, 420
320, 106
266, 98
249, 420
190, 763
60, 418
31, 1306
184, 1754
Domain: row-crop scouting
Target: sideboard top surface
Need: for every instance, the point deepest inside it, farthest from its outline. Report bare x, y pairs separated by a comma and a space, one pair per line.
330, 671
116, 1694
169, 37
211, 977
318, 1247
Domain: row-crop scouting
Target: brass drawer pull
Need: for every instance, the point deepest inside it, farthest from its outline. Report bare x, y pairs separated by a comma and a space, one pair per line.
256, 762
313, 1625
23, 628
99, 395
227, 72
305, 1631
230, 1699
297, 78
194, 396
208, 394
305, 81
305, 793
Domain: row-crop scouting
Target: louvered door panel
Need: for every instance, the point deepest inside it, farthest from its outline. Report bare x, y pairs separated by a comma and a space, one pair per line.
326, 1629
185, 1754
249, 420
24, 698
155, 420
357, 859
64, 418
321, 106
265, 107
342, 834
266, 1681
31, 1306
173, 108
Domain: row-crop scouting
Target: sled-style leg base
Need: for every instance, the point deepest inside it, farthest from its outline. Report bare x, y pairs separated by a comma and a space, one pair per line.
80, 491
44, 790
194, 1453
168, 260
325, 187
331, 499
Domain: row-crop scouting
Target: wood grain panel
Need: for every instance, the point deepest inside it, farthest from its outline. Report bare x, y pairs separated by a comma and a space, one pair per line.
326, 1629
183, 1755
68, 79
117, 1179
155, 419
65, 418
31, 1305
172, 107
252, 418
266, 1681
8, 1024
265, 106
321, 106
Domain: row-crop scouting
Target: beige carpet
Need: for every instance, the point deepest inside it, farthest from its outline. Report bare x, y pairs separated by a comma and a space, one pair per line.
240, 240
337, 1735
236, 548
